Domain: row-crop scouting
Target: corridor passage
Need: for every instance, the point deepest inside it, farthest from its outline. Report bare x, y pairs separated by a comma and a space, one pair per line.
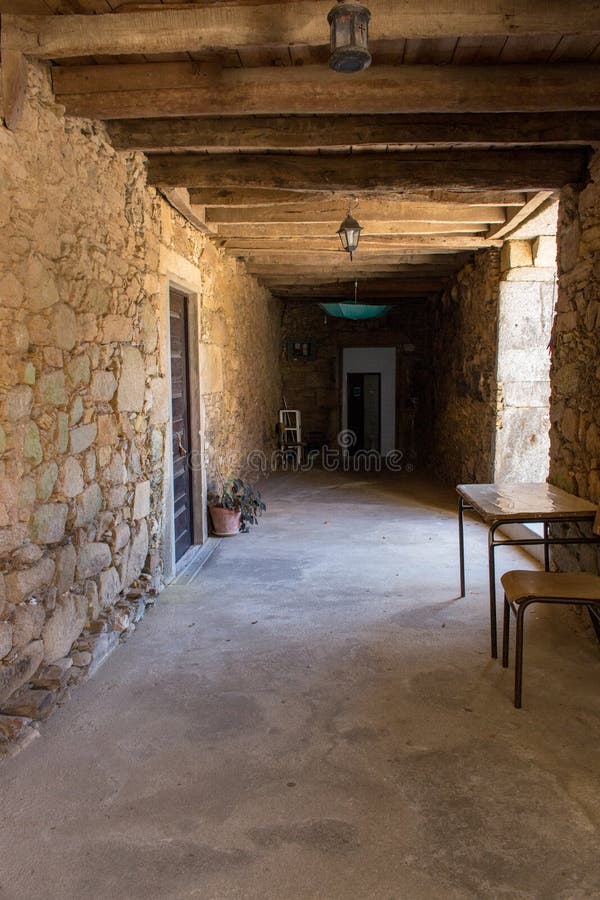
317, 716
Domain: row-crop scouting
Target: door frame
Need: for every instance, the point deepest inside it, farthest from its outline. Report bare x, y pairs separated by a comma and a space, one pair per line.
386, 365
196, 448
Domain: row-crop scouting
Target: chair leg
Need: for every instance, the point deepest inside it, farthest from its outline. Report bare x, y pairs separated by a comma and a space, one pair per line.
505, 633
519, 655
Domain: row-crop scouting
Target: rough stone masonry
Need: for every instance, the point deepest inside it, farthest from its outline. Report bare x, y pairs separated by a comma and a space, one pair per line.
84, 391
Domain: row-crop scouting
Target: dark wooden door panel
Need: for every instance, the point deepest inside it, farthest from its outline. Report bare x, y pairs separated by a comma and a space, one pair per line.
180, 412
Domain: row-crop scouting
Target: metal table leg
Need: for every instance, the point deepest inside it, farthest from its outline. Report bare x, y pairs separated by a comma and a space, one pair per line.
546, 547
461, 546
492, 574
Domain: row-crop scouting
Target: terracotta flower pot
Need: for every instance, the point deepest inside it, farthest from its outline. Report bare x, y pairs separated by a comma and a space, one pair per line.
226, 522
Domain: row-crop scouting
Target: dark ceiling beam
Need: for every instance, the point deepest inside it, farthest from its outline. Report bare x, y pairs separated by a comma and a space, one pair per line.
151, 90
468, 170
297, 132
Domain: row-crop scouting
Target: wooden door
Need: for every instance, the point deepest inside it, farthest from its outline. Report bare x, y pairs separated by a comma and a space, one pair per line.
180, 411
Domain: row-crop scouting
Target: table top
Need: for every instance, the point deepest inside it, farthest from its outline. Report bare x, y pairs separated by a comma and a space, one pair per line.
524, 502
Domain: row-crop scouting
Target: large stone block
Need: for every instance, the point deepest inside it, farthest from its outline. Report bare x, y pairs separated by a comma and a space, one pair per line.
64, 326
516, 254
16, 673
103, 386
40, 286
522, 446
109, 587
76, 411
89, 505
108, 430
523, 364
27, 621
92, 559
66, 560
132, 382
34, 704
6, 639
531, 273
161, 401
116, 471
45, 481
25, 582
51, 389
48, 523
116, 328
64, 626
149, 328
32, 445
11, 538
17, 404
137, 554
11, 291
79, 370
141, 503
71, 478
545, 250
527, 393
122, 533
61, 433
83, 437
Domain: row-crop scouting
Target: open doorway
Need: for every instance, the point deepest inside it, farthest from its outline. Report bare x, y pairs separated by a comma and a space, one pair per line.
364, 410
369, 397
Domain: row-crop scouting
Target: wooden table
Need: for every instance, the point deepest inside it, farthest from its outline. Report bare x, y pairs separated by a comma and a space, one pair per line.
511, 504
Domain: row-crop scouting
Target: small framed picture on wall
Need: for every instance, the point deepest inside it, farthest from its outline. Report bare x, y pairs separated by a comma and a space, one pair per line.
301, 349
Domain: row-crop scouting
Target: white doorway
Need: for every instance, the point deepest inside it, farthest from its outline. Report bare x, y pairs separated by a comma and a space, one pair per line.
374, 361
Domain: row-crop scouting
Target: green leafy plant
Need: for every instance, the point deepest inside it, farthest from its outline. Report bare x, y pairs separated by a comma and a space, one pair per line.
239, 496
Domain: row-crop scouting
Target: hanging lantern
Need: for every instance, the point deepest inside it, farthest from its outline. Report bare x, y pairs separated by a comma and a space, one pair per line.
349, 232
349, 23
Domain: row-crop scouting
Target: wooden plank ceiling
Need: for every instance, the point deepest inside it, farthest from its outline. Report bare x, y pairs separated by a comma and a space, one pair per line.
470, 118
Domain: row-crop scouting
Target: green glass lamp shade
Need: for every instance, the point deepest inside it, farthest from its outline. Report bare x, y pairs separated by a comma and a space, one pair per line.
355, 311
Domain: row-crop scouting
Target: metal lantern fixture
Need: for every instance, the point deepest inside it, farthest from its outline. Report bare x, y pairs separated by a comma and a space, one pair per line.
349, 232
349, 24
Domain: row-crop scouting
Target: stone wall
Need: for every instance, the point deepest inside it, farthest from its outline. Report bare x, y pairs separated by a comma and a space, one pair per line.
314, 386
465, 340
575, 369
87, 249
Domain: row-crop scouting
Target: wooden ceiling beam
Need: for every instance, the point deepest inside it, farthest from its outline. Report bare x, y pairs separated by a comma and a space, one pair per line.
272, 196
297, 132
346, 289
331, 212
534, 202
369, 244
395, 297
524, 170
189, 89
372, 229
274, 24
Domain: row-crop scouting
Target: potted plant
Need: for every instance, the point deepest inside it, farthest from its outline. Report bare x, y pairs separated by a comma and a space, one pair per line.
235, 507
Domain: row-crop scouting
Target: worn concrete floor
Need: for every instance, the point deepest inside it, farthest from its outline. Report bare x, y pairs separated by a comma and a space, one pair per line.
318, 717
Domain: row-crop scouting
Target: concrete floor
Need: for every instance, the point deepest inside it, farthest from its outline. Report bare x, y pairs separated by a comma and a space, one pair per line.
318, 717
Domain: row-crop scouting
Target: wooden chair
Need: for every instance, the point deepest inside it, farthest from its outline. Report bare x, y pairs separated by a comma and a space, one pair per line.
522, 589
